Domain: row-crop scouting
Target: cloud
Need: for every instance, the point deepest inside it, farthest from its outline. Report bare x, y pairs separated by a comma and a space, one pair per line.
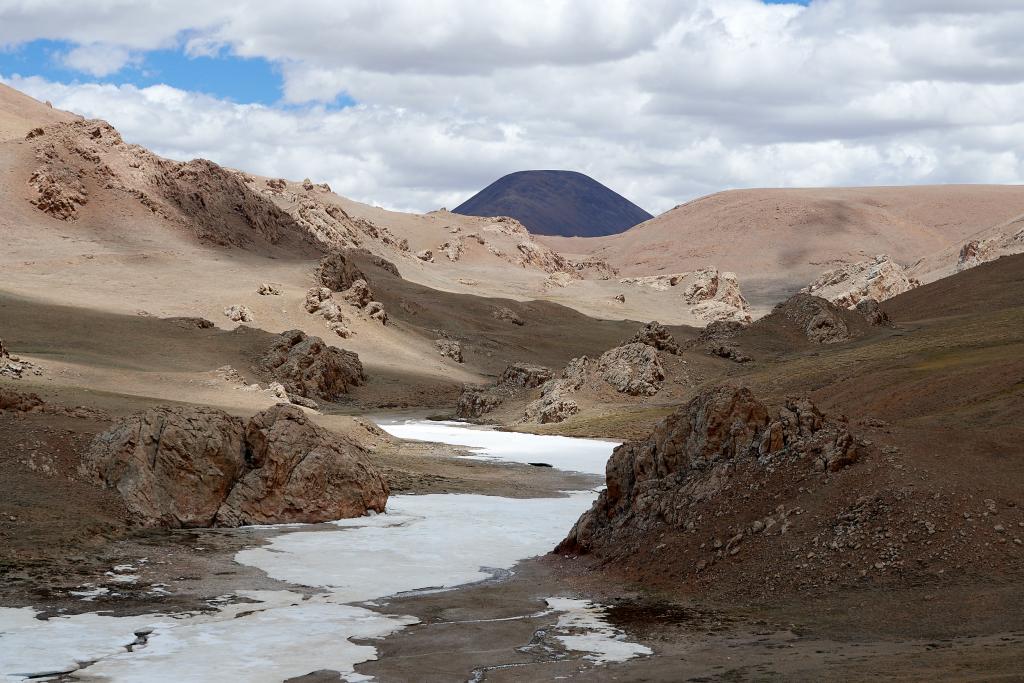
98, 59
662, 100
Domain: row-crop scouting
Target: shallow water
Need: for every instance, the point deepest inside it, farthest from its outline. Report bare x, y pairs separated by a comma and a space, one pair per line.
421, 542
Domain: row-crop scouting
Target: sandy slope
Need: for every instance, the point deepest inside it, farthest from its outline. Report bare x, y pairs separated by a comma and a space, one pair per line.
780, 239
19, 113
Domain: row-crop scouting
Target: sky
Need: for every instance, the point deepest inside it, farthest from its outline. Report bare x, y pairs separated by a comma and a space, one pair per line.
413, 105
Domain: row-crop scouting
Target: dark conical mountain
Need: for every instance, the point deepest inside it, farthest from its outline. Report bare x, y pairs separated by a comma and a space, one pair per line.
556, 203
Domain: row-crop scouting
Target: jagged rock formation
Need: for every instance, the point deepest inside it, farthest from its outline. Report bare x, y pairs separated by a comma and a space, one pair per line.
200, 467
692, 455
633, 369
878, 278
655, 335
308, 367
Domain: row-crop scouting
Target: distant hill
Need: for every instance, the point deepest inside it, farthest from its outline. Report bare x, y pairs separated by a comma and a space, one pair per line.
563, 203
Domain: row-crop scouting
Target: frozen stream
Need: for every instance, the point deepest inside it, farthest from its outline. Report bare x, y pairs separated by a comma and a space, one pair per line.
421, 542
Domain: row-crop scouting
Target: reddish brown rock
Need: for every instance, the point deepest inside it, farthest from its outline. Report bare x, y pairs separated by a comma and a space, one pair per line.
691, 455
173, 466
296, 471
200, 467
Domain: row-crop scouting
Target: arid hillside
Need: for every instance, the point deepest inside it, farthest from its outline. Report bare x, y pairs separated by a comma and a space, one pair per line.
778, 240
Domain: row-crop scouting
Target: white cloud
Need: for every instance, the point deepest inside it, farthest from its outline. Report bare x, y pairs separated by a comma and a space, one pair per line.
98, 59
660, 100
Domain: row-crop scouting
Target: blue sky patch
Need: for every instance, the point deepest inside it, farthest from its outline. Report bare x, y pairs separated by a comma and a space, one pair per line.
225, 76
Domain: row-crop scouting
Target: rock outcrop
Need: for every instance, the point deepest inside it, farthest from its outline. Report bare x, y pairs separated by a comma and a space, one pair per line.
718, 339
555, 403
633, 369
296, 471
239, 313
269, 289
200, 467
878, 278
978, 251
525, 375
873, 313
820, 320
710, 294
655, 335
474, 402
691, 457
507, 314
308, 367
449, 348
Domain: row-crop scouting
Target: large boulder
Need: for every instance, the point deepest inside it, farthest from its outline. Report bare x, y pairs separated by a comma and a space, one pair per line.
633, 369
308, 367
200, 467
475, 402
296, 471
172, 466
691, 456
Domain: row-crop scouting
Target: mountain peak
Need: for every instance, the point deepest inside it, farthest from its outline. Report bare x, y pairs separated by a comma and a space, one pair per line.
548, 202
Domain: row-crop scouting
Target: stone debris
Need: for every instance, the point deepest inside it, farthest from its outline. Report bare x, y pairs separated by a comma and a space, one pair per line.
269, 289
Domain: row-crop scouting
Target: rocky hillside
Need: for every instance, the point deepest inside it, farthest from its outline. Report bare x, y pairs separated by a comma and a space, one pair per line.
556, 203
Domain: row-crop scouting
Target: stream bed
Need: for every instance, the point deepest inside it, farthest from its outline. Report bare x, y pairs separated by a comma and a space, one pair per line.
422, 542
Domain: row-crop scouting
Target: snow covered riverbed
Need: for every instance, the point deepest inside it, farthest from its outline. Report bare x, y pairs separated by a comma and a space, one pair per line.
421, 542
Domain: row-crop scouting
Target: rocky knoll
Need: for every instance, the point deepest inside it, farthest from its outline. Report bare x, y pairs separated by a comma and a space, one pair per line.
817, 320
308, 367
655, 334
691, 457
709, 293
200, 467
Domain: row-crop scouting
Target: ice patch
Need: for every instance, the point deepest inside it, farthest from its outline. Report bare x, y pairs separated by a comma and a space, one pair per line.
573, 455
583, 628
278, 636
431, 541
